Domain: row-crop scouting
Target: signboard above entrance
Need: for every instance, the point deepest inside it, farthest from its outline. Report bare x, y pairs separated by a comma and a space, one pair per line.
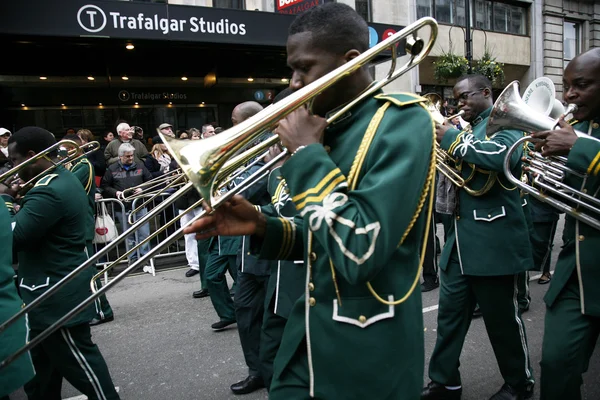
137, 20
297, 6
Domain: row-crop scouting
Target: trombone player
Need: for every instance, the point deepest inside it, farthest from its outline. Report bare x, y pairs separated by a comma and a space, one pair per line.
572, 323
362, 255
49, 234
486, 248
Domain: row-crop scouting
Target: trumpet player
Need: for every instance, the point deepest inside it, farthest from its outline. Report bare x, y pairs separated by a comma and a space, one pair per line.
49, 234
486, 248
572, 323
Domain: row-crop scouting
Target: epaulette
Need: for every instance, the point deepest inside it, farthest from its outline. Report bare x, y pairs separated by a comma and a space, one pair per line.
45, 180
401, 99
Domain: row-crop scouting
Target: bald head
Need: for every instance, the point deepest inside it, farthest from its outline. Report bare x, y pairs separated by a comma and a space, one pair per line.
245, 110
581, 82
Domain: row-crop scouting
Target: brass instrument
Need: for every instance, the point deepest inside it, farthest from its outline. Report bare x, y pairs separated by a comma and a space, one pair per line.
209, 162
547, 183
67, 151
444, 161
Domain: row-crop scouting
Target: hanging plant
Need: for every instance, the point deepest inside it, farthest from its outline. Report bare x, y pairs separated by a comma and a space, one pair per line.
448, 66
490, 68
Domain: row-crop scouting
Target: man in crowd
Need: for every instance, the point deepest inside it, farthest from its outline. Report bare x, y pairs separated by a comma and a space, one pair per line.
125, 132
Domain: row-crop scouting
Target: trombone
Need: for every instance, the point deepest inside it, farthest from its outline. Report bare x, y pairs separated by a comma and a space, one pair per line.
547, 184
208, 162
67, 151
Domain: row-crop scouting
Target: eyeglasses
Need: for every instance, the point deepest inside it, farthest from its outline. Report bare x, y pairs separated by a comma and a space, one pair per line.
465, 96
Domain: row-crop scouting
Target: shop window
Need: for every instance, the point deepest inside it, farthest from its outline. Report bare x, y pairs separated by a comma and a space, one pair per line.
482, 13
571, 41
237, 4
510, 19
424, 8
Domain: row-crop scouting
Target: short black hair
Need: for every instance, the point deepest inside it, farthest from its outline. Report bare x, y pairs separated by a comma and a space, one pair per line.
477, 79
283, 94
32, 138
335, 27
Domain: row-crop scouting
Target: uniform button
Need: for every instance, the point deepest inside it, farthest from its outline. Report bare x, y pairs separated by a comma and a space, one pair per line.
312, 301
248, 253
279, 177
457, 217
311, 286
584, 190
327, 148
595, 125
313, 256
581, 238
362, 319
33, 286
489, 215
287, 191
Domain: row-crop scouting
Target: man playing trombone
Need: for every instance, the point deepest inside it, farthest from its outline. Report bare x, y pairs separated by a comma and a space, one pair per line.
486, 248
49, 234
572, 322
360, 310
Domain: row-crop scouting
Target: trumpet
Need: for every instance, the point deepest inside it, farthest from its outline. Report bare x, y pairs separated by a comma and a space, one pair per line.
444, 160
547, 184
67, 151
208, 163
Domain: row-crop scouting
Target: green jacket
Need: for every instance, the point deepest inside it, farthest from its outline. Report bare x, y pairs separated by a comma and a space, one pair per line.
84, 171
21, 370
349, 238
49, 234
288, 278
490, 232
580, 251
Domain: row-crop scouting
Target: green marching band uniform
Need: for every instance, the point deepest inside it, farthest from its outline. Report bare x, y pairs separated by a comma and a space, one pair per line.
286, 282
50, 237
572, 322
487, 247
338, 332
84, 171
14, 337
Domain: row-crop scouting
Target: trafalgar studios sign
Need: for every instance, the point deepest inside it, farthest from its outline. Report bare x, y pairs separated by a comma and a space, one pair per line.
158, 21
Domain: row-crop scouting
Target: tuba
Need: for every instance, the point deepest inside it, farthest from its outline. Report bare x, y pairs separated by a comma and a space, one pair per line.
548, 173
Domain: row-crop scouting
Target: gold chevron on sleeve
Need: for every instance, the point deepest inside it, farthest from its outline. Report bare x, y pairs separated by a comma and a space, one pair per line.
593, 165
455, 143
285, 224
325, 192
317, 189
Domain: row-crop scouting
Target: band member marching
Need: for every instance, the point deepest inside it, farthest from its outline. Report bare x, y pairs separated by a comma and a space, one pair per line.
49, 234
355, 246
572, 323
486, 249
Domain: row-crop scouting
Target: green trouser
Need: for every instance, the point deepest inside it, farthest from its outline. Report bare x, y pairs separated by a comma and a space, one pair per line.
523, 295
294, 381
569, 341
270, 340
542, 242
249, 310
216, 282
496, 296
69, 353
203, 250
103, 308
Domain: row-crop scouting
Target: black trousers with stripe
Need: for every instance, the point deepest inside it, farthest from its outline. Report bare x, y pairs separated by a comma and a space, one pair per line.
69, 353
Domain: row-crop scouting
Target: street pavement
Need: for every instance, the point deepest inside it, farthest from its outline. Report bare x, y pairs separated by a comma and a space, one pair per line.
160, 345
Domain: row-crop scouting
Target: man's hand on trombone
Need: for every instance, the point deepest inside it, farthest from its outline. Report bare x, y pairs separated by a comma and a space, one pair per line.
556, 142
236, 217
300, 128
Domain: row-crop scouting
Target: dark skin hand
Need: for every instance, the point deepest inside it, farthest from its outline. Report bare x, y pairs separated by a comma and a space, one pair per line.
300, 128
274, 151
557, 142
440, 130
236, 217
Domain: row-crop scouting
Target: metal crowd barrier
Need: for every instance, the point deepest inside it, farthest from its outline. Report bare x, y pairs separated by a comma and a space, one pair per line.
118, 212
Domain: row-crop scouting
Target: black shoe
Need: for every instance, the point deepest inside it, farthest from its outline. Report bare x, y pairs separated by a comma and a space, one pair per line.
191, 272
248, 385
435, 391
97, 321
219, 326
477, 312
507, 392
427, 286
198, 294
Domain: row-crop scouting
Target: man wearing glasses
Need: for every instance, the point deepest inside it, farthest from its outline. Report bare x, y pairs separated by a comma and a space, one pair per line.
486, 248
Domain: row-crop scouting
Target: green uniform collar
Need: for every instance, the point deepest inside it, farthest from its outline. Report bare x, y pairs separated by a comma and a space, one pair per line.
481, 117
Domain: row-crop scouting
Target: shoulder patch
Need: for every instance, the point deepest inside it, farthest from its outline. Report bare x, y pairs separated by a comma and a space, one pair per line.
401, 99
45, 180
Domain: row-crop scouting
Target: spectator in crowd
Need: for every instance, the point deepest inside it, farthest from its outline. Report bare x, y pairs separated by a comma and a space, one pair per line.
160, 161
4, 136
166, 129
207, 131
96, 158
125, 132
195, 134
